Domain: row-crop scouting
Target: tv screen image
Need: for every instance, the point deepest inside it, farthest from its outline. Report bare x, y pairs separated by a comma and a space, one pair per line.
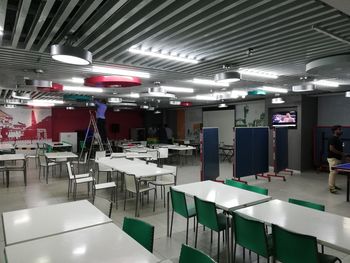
284, 119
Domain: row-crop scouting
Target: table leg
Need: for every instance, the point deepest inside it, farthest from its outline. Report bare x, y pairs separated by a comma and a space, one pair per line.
7, 178
167, 215
347, 188
227, 238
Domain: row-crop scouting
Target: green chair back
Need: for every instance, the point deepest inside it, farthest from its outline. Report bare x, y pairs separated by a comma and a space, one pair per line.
189, 254
206, 213
307, 204
290, 247
251, 235
234, 183
256, 189
141, 231
178, 201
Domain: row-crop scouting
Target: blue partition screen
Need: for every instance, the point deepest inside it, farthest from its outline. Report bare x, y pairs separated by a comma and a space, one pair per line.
210, 154
251, 151
281, 149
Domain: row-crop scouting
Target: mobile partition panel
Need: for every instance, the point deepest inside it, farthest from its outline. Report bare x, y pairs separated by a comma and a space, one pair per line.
210, 168
321, 136
251, 151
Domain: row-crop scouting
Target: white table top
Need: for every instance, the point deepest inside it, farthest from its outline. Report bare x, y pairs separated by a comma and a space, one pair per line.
54, 155
104, 243
6, 146
132, 167
224, 196
181, 148
39, 222
131, 155
12, 157
330, 229
58, 144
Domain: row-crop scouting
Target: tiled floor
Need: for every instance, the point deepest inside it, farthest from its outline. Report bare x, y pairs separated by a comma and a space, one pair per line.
309, 186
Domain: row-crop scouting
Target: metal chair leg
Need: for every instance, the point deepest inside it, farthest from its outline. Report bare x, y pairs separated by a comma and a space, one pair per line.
187, 219
171, 224
195, 242
218, 246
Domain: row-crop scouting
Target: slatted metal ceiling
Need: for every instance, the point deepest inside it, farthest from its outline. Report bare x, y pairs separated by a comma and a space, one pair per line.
216, 32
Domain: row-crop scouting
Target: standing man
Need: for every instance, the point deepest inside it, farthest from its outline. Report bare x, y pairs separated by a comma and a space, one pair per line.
335, 155
169, 134
101, 119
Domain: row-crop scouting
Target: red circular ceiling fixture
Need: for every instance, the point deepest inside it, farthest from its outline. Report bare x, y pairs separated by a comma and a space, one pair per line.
54, 88
186, 103
112, 81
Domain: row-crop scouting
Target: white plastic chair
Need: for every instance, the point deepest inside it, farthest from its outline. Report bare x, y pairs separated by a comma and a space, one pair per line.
103, 186
72, 177
79, 179
45, 165
101, 167
81, 162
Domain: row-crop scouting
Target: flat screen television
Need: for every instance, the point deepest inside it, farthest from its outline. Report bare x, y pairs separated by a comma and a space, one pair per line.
284, 119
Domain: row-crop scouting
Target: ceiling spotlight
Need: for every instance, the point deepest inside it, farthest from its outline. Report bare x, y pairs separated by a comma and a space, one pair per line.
71, 55
21, 97
115, 100
227, 77
326, 83
258, 73
222, 105
273, 89
209, 82
158, 92
277, 101
162, 55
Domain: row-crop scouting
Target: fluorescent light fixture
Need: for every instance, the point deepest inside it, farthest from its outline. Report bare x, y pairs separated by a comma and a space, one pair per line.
178, 89
151, 108
145, 107
48, 101
12, 101
326, 83
157, 112
209, 82
128, 104
10, 106
77, 80
222, 105
40, 104
227, 77
134, 95
1, 31
273, 89
238, 93
258, 73
162, 55
82, 89
124, 72
303, 87
21, 97
347, 94
70, 108
175, 102
115, 100
277, 101
206, 97
71, 55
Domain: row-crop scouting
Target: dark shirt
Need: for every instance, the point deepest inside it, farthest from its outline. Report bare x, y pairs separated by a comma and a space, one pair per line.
338, 145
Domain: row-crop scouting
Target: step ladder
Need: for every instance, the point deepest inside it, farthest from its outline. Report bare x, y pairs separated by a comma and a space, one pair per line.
96, 138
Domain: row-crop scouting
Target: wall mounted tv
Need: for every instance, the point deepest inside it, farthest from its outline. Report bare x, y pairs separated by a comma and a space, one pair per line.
284, 119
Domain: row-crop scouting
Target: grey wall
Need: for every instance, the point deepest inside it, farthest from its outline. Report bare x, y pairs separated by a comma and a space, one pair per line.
333, 110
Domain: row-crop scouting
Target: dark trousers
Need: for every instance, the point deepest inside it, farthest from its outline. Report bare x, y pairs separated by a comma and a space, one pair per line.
101, 125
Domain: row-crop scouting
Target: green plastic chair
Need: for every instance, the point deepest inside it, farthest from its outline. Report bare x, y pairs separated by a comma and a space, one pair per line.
307, 204
141, 231
251, 234
291, 247
190, 254
256, 189
180, 206
234, 183
207, 216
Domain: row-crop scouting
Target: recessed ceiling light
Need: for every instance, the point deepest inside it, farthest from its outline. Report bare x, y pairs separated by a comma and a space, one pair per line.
326, 83
277, 101
178, 89
258, 73
77, 80
82, 89
124, 72
158, 54
209, 82
227, 77
273, 89
71, 55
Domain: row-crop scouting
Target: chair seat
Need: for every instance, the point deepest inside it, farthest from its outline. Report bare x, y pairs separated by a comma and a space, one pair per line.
142, 189
324, 258
51, 164
105, 185
31, 156
84, 180
78, 162
191, 210
222, 221
79, 176
161, 183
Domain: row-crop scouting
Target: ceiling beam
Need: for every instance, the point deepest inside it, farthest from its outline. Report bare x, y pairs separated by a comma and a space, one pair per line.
3, 8
38, 23
20, 19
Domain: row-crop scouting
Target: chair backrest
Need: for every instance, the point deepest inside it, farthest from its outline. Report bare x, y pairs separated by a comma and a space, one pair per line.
141, 231
170, 177
143, 143
70, 172
290, 247
130, 183
104, 205
206, 213
256, 189
85, 157
234, 183
42, 160
154, 155
99, 154
190, 254
163, 153
251, 234
307, 204
178, 202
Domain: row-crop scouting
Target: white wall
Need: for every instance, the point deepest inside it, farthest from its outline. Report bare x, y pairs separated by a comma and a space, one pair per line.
224, 120
192, 116
251, 114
